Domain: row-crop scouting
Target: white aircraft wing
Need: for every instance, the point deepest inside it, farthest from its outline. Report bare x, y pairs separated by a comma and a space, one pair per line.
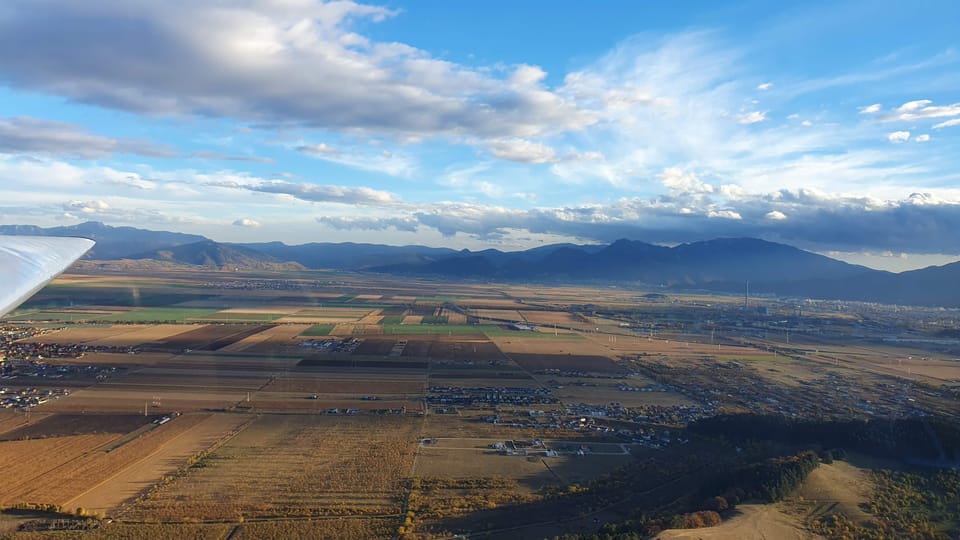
28, 263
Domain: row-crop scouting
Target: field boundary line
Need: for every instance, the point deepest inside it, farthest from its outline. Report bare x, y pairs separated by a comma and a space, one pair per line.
137, 462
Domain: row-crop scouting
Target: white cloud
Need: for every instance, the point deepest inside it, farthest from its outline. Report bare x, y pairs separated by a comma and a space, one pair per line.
189, 194
393, 163
521, 150
764, 87
314, 192
490, 189
675, 179
898, 137
724, 214
297, 63
922, 138
86, 207
369, 223
34, 136
948, 123
219, 156
319, 149
923, 108
752, 117
247, 222
922, 221
870, 109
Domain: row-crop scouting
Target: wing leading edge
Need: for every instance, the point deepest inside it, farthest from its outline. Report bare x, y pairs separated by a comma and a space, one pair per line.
28, 263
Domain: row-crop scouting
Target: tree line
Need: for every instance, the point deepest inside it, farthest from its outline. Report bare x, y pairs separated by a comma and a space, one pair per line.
928, 439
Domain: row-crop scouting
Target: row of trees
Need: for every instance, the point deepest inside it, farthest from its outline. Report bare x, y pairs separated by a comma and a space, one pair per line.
932, 439
769, 480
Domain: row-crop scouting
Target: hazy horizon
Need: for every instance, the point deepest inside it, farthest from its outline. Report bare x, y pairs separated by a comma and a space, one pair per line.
889, 261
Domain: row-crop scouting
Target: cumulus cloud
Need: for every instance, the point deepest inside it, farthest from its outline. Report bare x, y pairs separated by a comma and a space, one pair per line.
299, 63
870, 109
764, 87
924, 137
86, 207
677, 180
923, 222
724, 214
752, 117
25, 135
898, 137
247, 222
920, 223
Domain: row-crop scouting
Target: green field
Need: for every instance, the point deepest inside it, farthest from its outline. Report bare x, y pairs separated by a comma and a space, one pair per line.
496, 331
162, 314
336, 303
61, 295
318, 330
35, 315
241, 317
434, 329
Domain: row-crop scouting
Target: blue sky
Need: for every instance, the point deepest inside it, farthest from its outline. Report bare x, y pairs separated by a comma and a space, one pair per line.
832, 126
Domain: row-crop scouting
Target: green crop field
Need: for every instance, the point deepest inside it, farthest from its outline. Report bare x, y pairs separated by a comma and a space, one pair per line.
162, 314
497, 331
240, 317
43, 315
434, 329
318, 330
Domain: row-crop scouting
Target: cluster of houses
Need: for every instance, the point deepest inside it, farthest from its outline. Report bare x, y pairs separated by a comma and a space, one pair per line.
332, 345
28, 397
464, 396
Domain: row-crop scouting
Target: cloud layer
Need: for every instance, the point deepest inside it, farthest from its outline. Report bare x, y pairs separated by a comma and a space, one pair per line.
247, 60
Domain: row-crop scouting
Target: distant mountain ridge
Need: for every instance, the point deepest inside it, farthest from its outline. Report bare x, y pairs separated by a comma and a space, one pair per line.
697, 263
112, 242
348, 255
210, 254
722, 264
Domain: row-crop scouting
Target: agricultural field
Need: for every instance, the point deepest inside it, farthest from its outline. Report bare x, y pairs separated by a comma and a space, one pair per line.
56, 468
358, 407
294, 466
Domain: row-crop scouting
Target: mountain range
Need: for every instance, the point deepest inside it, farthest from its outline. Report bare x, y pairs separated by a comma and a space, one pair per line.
723, 264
